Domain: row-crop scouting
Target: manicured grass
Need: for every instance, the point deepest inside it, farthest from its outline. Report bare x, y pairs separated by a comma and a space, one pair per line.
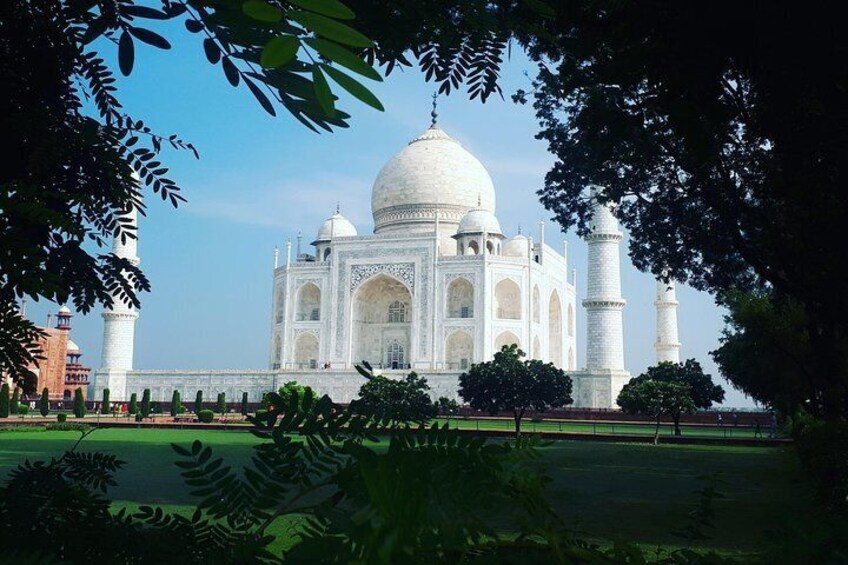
609, 491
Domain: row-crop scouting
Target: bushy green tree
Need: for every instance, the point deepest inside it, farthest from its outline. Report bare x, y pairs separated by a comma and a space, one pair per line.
702, 390
198, 402
105, 407
79, 404
133, 407
15, 402
175, 403
205, 416
221, 405
656, 399
400, 401
145, 403
725, 160
4, 400
44, 402
447, 406
508, 383
244, 404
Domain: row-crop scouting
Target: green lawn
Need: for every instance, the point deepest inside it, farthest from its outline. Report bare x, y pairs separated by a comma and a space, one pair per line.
609, 491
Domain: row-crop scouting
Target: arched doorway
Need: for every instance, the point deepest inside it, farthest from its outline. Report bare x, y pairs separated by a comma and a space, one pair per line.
506, 338
306, 351
460, 302
459, 351
507, 300
308, 303
537, 348
381, 323
555, 329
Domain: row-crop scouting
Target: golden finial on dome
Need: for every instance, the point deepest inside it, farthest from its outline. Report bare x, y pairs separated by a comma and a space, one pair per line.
433, 114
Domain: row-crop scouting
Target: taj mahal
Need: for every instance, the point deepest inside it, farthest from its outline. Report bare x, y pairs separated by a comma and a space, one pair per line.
436, 287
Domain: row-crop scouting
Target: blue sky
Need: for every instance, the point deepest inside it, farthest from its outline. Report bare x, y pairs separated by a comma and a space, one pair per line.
261, 179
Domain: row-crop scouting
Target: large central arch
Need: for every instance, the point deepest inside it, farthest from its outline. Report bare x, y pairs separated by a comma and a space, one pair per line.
381, 323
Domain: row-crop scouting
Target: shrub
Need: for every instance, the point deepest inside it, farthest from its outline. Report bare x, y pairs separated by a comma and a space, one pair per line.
61, 418
44, 402
145, 403
133, 408
198, 402
105, 408
822, 448
23, 409
244, 404
15, 402
4, 401
206, 416
175, 403
79, 404
139, 418
222, 402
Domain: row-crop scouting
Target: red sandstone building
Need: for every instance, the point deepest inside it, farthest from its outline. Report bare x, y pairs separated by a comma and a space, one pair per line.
60, 370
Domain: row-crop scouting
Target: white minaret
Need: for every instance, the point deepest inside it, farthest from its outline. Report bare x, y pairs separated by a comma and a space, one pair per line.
604, 304
668, 344
118, 330
605, 375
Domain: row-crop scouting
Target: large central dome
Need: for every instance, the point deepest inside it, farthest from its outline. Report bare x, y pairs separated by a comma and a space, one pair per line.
432, 173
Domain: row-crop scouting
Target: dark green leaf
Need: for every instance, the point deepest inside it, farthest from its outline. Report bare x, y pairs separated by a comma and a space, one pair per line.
353, 87
213, 53
230, 71
330, 29
342, 56
322, 91
262, 11
279, 51
194, 26
149, 37
331, 8
260, 96
126, 53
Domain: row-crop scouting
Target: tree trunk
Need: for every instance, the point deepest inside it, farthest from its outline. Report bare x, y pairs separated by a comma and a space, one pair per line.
517, 414
657, 432
677, 425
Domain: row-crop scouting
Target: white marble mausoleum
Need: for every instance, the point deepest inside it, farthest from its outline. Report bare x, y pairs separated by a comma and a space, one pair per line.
436, 287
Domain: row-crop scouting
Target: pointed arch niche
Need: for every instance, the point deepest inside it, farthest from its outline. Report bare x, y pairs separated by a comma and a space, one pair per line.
460, 301
507, 300
459, 351
506, 338
306, 351
555, 329
308, 303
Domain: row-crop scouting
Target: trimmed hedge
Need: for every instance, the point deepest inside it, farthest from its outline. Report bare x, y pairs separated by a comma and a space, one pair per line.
61, 418
206, 416
23, 409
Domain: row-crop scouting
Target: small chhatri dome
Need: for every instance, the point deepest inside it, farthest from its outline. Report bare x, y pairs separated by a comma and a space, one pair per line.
335, 226
64, 310
479, 221
515, 247
432, 176
72, 347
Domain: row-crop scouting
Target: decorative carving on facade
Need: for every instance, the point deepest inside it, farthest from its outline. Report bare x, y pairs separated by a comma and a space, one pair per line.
296, 332
450, 277
402, 271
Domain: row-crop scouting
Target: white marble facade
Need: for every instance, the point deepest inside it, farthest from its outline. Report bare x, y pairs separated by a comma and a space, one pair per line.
436, 287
